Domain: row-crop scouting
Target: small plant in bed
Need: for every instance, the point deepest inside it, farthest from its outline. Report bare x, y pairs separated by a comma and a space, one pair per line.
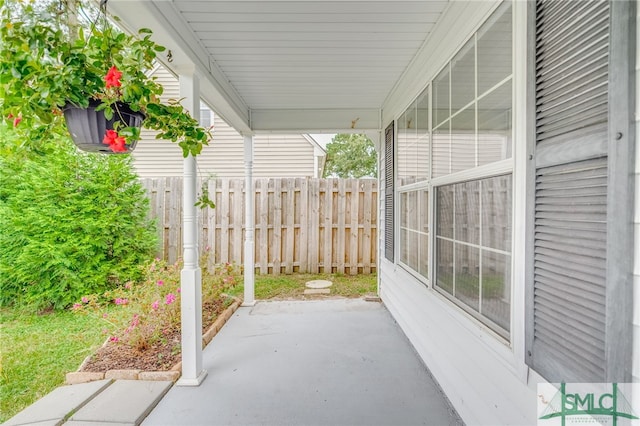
142, 320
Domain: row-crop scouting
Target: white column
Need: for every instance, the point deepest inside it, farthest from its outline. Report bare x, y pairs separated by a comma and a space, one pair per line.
191, 277
249, 244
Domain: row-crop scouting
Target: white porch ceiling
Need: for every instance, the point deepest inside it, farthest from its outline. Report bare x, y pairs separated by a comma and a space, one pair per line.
309, 65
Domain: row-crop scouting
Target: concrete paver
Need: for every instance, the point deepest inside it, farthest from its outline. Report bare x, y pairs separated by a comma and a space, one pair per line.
125, 401
72, 423
55, 406
330, 362
44, 423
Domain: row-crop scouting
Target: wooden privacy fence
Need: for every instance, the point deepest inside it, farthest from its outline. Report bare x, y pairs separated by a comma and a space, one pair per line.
301, 224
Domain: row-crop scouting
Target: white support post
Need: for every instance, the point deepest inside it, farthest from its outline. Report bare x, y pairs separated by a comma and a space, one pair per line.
191, 277
249, 244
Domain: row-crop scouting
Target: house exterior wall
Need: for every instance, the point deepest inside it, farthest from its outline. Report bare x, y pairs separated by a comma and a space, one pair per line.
636, 294
289, 155
486, 378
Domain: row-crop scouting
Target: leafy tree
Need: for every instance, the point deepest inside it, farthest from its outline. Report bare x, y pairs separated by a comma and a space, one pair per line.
71, 223
350, 156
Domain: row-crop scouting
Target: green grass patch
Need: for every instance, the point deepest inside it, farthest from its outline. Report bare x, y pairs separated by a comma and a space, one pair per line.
38, 350
293, 286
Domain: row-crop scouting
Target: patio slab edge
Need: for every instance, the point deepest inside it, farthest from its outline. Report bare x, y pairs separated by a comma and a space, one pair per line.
173, 374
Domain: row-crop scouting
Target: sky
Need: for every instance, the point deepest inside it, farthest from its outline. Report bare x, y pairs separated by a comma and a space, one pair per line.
322, 138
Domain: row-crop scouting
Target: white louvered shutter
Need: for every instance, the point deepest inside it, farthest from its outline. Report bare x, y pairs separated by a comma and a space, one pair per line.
388, 193
567, 337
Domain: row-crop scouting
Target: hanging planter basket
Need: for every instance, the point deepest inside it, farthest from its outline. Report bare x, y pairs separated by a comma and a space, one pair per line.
88, 126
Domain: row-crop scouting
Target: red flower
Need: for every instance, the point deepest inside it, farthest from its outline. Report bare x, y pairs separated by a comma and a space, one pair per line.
119, 145
116, 143
110, 137
112, 79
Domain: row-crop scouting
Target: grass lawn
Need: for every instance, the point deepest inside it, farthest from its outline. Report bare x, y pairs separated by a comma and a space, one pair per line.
293, 286
38, 350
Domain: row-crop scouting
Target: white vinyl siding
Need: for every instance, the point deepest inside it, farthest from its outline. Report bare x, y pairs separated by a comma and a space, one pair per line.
282, 156
636, 294
289, 155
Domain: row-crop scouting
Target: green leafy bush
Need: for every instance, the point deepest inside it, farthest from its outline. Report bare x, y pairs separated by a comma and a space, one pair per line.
71, 223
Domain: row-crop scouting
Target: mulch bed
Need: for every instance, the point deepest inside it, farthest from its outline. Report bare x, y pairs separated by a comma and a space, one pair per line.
161, 356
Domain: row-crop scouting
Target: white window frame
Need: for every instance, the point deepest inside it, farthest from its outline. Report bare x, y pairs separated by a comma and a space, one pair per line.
501, 167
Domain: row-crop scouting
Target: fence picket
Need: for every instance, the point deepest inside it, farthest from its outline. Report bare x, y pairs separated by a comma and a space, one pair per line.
302, 223
277, 225
368, 207
210, 240
354, 230
223, 209
313, 245
174, 221
328, 227
263, 226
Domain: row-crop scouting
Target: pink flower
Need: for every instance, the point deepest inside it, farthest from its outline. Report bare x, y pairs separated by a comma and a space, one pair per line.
170, 298
76, 306
155, 305
134, 322
120, 301
85, 300
128, 286
105, 315
16, 121
114, 339
179, 290
160, 283
112, 79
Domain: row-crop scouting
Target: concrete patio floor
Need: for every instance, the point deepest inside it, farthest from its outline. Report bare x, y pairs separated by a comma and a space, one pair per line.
328, 362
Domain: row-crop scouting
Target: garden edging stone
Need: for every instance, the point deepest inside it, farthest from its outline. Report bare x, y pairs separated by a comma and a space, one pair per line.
173, 374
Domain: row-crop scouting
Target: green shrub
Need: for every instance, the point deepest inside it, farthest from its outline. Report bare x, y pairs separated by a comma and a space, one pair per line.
71, 223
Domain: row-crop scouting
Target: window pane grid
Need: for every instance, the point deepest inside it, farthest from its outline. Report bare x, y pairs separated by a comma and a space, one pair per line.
414, 230
461, 121
482, 66
473, 248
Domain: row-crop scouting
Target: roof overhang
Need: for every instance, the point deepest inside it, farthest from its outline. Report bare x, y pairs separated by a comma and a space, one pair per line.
305, 66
